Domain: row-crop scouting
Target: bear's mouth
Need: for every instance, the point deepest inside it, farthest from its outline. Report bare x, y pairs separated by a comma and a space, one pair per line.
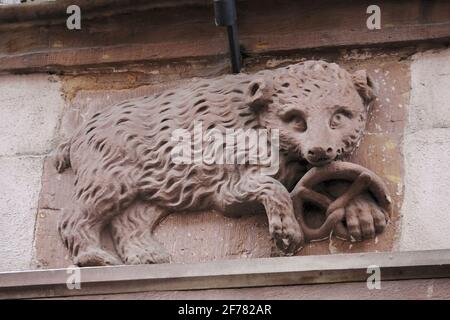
318, 162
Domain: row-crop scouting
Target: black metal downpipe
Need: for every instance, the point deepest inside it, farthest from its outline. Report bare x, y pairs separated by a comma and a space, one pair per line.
225, 13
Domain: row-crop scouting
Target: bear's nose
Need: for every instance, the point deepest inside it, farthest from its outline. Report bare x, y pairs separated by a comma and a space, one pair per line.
319, 154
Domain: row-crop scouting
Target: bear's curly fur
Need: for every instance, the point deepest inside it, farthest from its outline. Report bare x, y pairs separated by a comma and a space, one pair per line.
122, 155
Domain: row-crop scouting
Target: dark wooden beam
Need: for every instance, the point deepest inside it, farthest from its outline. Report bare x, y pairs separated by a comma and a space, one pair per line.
35, 37
33, 11
228, 274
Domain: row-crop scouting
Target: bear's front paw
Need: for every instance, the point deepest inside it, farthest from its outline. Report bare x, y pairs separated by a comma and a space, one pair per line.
286, 233
364, 218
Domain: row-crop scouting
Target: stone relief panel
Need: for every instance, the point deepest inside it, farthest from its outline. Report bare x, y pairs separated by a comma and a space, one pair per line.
123, 196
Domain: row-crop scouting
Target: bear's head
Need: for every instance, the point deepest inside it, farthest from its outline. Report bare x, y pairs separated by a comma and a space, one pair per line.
319, 108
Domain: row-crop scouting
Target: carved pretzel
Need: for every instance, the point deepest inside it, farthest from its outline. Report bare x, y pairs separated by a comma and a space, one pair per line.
363, 180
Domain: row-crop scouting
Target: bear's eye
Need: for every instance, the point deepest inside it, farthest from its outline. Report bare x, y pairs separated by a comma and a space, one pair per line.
296, 120
339, 118
299, 123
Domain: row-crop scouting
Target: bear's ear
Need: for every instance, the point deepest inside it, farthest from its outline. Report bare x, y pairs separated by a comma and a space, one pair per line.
258, 93
365, 86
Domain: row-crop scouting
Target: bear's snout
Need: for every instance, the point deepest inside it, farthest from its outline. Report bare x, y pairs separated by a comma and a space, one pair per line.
319, 156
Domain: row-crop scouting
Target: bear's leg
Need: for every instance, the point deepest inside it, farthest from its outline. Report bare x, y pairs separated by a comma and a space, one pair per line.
81, 237
276, 200
132, 234
99, 196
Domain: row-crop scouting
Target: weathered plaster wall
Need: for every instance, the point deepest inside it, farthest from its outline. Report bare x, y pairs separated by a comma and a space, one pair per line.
426, 206
32, 107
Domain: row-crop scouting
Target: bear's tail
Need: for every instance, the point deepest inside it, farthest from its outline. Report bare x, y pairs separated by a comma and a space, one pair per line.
62, 157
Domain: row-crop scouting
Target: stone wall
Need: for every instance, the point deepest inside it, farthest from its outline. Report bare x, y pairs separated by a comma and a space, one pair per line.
31, 108
36, 110
426, 147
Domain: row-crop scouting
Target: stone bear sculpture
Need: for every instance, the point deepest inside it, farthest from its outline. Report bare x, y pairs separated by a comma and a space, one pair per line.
122, 157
